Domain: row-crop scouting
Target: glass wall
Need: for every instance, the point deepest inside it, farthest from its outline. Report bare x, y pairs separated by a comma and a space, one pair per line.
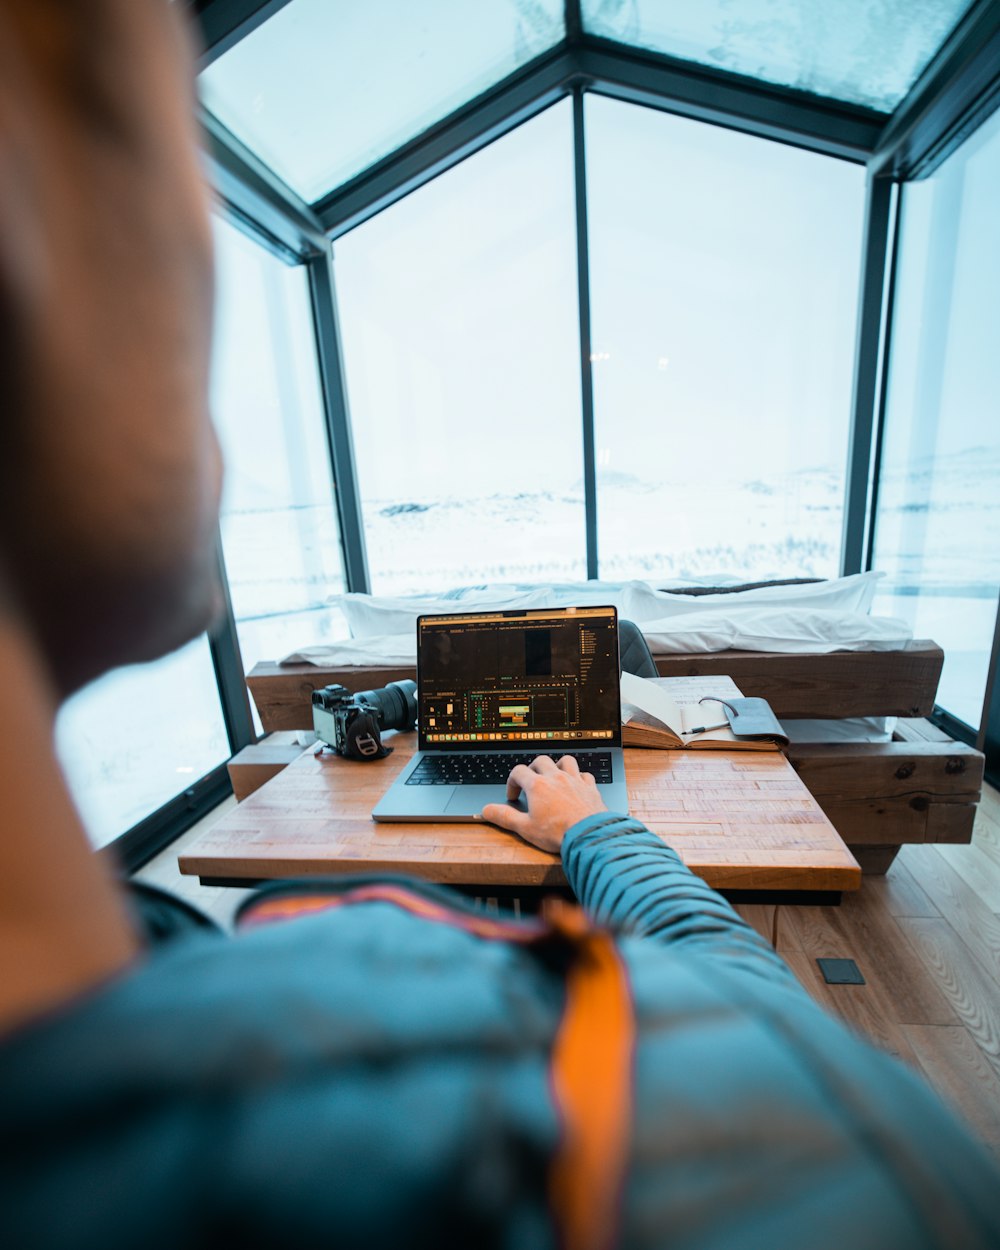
140, 736
322, 89
855, 50
280, 532
459, 315
724, 277
938, 527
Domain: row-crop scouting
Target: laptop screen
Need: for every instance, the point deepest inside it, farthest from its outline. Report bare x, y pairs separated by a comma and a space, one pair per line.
527, 679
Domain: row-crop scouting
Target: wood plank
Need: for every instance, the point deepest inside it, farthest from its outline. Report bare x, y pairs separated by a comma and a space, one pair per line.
951, 822
915, 818
991, 806
901, 682
259, 762
960, 1072
987, 832
765, 918
991, 803
894, 965
877, 821
978, 868
859, 1006
967, 914
740, 820
899, 893
847, 771
889, 793
860, 930
969, 986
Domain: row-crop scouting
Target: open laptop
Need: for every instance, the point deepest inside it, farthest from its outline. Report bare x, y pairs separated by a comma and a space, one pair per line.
498, 688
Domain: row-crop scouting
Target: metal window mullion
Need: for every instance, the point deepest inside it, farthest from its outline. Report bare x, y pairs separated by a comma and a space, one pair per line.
573, 19
130, 850
224, 23
256, 198
584, 62
885, 356
988, 739
878, 198
224, 644
586, 370
338, 423
954, 93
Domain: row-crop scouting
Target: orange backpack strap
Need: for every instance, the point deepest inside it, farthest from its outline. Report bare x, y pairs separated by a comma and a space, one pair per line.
266, 910
592, 1056
591, 1076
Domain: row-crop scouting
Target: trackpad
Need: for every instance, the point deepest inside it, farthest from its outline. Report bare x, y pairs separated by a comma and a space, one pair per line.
470, 800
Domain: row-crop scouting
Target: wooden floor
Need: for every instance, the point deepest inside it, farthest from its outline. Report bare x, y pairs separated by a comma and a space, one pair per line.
926, 937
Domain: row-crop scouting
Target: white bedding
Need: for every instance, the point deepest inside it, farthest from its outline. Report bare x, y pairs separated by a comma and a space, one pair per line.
815, 617
372, 615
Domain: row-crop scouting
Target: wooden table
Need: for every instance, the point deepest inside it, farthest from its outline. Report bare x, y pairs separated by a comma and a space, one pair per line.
742, 820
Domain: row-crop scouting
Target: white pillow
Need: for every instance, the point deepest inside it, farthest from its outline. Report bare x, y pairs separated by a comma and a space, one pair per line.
369, 616
844, 594
795, 630
554, 595
373, 616
360, 652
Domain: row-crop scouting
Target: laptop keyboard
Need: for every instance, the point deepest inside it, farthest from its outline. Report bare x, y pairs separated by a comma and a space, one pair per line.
490, 768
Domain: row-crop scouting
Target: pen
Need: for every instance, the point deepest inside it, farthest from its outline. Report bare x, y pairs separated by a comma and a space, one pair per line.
703, 729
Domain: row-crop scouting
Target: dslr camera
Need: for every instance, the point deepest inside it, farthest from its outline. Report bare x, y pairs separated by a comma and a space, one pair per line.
352, 724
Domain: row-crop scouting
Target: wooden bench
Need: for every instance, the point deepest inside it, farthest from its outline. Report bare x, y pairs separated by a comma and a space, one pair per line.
921, 787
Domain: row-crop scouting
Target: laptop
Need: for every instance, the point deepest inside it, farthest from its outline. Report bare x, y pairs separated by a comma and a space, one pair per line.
495, 689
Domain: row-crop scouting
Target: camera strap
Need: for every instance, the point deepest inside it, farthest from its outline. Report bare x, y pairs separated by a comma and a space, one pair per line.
364, 742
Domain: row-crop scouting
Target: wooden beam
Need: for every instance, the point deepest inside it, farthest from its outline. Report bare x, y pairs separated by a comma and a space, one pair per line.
901, 682
881, 794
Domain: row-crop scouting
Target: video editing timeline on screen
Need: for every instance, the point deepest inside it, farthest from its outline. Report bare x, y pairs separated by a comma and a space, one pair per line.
518, 681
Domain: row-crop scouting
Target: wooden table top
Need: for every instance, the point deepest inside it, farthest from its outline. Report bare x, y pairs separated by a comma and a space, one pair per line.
740, 820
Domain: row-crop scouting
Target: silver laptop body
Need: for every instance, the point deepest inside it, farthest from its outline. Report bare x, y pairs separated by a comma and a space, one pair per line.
493, 687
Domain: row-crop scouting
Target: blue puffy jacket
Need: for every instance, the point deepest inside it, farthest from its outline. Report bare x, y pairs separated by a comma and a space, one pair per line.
374, 1075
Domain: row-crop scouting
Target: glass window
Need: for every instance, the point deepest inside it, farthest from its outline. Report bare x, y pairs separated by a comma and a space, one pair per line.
325, 88
852, 50
461, 343
938, 527
139, 736
280, 532
724, 285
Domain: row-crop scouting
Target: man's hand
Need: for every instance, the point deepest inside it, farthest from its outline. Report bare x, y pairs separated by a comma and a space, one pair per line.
557, 794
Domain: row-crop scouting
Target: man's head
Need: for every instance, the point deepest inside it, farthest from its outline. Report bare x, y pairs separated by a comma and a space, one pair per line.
109, 467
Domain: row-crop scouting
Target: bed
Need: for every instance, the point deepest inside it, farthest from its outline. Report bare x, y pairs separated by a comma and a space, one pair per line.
856, 706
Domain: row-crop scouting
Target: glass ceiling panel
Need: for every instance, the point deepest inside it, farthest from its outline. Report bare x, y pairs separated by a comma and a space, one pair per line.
325, 88
866, 52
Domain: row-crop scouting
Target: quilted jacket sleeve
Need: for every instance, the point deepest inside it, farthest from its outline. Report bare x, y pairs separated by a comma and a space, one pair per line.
628, 879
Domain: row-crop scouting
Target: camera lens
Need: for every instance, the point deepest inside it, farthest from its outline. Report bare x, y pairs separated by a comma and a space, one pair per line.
396, 704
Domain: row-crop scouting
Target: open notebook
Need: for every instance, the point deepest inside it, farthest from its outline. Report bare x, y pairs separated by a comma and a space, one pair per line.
696, 713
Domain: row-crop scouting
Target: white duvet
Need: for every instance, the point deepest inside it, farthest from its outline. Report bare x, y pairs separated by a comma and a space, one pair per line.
815, 617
